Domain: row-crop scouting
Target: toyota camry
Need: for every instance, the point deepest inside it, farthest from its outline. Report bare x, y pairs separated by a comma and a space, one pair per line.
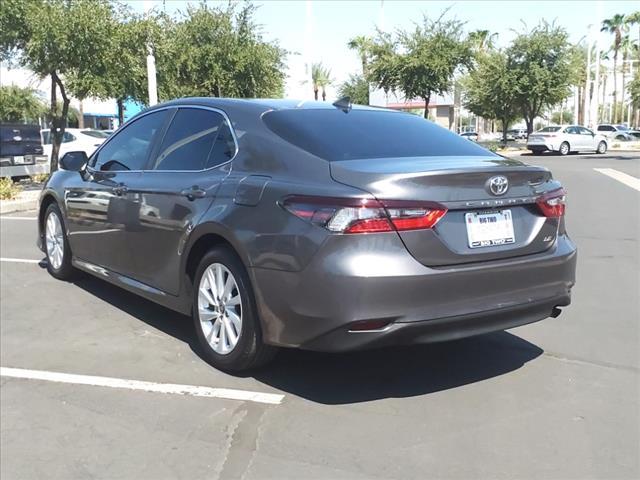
329, 227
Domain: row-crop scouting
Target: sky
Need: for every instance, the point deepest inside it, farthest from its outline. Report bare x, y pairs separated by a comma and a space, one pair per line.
334, 23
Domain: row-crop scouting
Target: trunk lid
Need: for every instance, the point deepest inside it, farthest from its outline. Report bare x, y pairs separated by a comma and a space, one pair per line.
461, 184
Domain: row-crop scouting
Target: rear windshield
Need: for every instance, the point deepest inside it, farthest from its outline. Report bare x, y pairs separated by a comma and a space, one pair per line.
550, 129
335, 135
20, 133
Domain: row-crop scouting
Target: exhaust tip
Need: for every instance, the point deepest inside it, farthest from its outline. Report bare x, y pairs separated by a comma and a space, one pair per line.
555, 313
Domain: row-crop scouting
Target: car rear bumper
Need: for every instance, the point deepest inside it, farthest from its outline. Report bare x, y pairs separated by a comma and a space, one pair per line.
24, 170
542, 146
375, 278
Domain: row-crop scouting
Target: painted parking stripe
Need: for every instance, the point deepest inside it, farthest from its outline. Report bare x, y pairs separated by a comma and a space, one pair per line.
628, 180
18, 218
171, 388
20, 260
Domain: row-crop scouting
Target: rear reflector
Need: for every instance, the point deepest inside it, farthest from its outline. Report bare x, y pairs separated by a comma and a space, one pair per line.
356, 215
552, 204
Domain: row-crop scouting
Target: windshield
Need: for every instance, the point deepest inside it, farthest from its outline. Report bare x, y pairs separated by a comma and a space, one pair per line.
549, 129
622, 127
335, 135
95, 133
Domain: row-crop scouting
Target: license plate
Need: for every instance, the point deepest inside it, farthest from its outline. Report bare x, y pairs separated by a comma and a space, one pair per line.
487, 229
18, 160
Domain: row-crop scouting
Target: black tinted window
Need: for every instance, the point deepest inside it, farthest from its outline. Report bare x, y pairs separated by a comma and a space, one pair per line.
224, 147
335, 135
191, 142
129, 148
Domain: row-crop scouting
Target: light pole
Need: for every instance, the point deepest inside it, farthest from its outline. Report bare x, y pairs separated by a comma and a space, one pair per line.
151, 64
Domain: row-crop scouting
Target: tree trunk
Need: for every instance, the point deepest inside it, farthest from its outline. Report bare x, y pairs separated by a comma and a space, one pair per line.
505, 125
529, 122
315, 93
427, 99
81, 116
120, 104
58, 121
615, 87
324, 95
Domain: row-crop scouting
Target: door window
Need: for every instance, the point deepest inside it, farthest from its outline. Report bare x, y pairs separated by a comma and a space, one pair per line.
129, 149
572, 130
196, 139
585, 131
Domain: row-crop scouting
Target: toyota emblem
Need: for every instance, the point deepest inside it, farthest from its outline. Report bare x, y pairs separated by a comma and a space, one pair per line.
498, 185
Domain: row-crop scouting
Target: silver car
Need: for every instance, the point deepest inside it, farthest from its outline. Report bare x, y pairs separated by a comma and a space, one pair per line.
565, 139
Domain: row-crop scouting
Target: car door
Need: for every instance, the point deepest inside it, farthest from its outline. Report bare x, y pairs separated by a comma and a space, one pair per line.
177, 187
99, 211
573, 137
588, 139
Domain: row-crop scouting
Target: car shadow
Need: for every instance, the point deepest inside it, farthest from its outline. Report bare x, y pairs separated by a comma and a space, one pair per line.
353, 377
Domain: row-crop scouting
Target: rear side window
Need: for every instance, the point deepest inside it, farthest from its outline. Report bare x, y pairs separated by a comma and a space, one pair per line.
605, 128
334, 135
196, 139
550, 129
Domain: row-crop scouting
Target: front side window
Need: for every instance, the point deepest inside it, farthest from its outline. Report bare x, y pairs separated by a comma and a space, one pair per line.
67, 137
129, 149
585, 131
196, 139
572, 130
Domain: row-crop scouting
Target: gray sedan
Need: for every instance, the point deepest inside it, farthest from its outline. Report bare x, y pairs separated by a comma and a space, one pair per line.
275, 223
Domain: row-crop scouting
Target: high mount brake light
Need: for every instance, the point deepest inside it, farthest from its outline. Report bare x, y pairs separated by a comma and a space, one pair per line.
354, 215
552, 204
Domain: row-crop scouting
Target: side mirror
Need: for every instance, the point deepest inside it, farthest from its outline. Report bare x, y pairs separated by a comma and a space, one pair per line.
74, 161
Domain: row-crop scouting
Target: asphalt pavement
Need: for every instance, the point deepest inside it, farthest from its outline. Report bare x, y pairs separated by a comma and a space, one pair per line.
557, 399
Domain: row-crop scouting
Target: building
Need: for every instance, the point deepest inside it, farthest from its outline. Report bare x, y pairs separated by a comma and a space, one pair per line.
441, 107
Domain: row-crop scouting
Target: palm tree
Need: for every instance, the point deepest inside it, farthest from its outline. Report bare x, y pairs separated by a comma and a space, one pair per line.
634, 19
627, 45
362, 45
617, 26
321, 78
482, 40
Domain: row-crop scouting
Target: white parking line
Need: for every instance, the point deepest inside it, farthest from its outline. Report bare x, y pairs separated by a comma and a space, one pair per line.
18, 218
628, 180
189, 390
19, 260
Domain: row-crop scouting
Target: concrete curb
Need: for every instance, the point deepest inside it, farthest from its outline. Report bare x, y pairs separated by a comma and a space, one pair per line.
27, 200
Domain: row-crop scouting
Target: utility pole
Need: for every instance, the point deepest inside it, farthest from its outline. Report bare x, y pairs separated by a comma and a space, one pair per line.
593, 111
586, 100
151, 64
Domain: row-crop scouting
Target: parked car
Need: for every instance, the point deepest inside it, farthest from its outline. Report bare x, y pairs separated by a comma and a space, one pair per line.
75, 139
566, 138
615, 132
21, 151
473, 136
323, 227
635, 134
518, 133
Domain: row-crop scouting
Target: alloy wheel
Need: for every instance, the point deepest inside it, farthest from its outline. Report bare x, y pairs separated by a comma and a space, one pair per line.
564, 148
220, 308
54, 240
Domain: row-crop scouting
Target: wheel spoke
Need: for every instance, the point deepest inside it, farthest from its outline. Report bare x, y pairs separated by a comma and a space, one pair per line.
223, 338
206, 315
212, 284
231, 335
204, 291
219, 280
228, 287
235, 319
233, 301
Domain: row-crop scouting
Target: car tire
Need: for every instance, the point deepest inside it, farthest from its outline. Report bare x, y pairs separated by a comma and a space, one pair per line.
56, 244
602, 148
217, 321
564, 148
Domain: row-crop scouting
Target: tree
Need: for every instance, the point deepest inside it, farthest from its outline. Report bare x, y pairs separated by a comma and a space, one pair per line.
356, 88
560, 117
617, 26
541, 64
490, 92
363, 46
20, 105
422, 61
59, 39
218, 52
482, 40
321, 79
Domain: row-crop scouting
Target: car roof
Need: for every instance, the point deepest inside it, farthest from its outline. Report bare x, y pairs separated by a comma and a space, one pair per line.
262, 104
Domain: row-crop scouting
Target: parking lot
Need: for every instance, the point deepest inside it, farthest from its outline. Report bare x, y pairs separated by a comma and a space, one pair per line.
555, 399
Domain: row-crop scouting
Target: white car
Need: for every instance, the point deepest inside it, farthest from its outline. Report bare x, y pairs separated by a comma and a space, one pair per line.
566, 138
75, 139
473, 136
615, 132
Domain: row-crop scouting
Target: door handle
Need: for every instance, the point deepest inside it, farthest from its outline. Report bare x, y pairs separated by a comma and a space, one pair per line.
193, 193
120, 189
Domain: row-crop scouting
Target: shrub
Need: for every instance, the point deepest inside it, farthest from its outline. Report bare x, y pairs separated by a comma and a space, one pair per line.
39, 177
8, 189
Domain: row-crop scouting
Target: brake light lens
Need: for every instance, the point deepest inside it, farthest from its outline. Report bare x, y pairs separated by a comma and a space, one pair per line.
552, 204
349, 215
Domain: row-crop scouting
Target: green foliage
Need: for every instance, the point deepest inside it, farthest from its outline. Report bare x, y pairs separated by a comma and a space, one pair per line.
321, 79
363, 46
356, 88
634, 89
541, 65
39, 177
218, 52
490, 90
20, 105
422, 61
559, 118
8, 189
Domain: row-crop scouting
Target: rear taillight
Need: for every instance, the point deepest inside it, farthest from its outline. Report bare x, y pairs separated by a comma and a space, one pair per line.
552, 204
354, 215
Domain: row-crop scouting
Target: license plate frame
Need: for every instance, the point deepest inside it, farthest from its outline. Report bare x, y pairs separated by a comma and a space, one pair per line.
489, 228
